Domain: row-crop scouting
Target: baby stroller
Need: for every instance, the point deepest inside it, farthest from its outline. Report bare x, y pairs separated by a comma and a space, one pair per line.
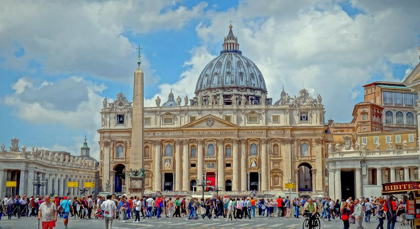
98, 214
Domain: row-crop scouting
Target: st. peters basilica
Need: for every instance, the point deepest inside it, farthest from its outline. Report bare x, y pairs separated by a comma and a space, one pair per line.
230, 135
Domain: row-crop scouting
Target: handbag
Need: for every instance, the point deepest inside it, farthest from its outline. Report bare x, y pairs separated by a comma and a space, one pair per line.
344, 217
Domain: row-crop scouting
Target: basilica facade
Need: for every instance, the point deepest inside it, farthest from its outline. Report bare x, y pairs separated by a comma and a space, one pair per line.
230, 135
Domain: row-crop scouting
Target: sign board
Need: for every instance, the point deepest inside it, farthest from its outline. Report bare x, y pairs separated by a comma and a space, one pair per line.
399, 187
290, 185
11, 184
89, 184
72, 184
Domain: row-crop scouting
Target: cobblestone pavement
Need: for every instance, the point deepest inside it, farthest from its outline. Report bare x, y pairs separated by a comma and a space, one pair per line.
283, 223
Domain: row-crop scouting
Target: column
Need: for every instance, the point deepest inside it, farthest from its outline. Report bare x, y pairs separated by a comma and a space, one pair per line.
379, 176
392, 170
235, 183
418, 168
406, 174
178, 175
243, 165
220, 165
105, 169
23, 183
31, 178
314, 182
185, 168
264, 165
319, 187
200, 162
358, 181
2, 183
157, 174
331, 192
337, 189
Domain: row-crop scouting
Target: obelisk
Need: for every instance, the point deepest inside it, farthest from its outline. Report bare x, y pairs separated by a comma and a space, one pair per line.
137, 130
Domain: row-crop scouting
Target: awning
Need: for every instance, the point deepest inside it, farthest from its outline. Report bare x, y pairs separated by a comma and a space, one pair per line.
400, 187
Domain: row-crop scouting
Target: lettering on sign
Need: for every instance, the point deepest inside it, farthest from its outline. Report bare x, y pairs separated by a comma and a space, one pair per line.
399, 186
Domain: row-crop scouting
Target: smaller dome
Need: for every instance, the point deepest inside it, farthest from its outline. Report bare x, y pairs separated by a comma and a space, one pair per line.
171, 101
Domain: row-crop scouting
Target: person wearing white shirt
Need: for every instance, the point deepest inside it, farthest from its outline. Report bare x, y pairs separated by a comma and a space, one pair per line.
358, 214
149, 202
137, 204
230, 211
110, 210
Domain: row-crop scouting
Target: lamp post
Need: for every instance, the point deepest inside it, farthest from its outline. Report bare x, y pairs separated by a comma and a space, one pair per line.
203, 184
83, 190
38, 183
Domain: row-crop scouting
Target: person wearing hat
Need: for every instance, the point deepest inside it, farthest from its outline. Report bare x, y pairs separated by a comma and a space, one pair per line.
65, 207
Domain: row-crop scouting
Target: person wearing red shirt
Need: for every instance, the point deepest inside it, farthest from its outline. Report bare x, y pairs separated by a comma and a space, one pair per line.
279, 207
390, 207
158, 207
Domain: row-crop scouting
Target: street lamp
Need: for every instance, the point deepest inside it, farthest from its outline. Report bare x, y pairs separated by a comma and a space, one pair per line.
203, 184
83, 190
38, 183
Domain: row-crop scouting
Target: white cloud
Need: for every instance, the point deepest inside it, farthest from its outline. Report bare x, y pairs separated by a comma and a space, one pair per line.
316, 45
84, 37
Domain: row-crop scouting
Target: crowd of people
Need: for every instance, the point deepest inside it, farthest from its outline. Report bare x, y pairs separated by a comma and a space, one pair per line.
127, 209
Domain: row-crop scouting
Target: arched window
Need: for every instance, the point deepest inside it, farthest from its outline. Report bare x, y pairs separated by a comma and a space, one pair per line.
228, 151
254, 150
410, 118
399, 117
168, 151
193, 151
276, 150
388, 117
120, 151
210, 150
304, 149
228, 185
192, 184
146, 152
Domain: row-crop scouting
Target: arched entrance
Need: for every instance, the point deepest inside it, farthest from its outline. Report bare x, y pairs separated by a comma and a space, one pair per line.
305, 177
168, 184
119, 181
228, 186
192, 184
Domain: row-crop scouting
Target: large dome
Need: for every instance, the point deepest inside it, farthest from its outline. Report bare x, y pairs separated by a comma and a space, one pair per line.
230, 78
231, 70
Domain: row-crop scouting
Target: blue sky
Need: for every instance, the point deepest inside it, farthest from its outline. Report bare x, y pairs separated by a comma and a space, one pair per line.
57, 63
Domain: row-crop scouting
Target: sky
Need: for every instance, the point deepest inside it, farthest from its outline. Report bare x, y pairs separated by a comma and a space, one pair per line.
59, 59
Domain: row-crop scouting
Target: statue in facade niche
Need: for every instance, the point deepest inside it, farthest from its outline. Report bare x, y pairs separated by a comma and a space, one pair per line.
178, 100
186, 101
377, 144
405, 144
390, 146
221, 101
23, 149
157, 100
2, 148
105, 103
234, 100
210, 100
243, 100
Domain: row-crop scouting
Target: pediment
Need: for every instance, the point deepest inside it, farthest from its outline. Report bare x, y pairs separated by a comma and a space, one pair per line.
209, 121
413, 79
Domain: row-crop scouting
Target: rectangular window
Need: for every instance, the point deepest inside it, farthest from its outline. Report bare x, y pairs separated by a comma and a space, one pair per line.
416, 97
228, 165
364, 140
193, 165
120, 119
304, 116
227, 118
167, 120
276, 119
228, 152
398, 98
192, 118
375, 139
364, 129
388, 139
252, 119
387, 97
193, 152
408, 99
147, 121
411, 138
397, 138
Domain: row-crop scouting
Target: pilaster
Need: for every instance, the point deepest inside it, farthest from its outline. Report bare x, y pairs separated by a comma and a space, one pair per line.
185, 173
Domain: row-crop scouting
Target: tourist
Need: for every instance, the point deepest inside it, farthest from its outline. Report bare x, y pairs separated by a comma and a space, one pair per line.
65, 207
183, 207
238, 208
89, 206
253, 205
207, 206
380, 213
279, 207
10, 207
287, 206
137, 205
177, 208
110, 211
149, 210
47, 213
345, 213
391, 209
191, 208
368, 210
402, 213
358, 213
230, 214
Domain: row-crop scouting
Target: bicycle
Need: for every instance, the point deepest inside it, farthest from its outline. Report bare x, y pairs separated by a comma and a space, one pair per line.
316, 223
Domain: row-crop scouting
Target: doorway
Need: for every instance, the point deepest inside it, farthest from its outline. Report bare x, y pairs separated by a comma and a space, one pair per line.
119, 178
168, 182
347, 184
253, 181
305, 177
210, 181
